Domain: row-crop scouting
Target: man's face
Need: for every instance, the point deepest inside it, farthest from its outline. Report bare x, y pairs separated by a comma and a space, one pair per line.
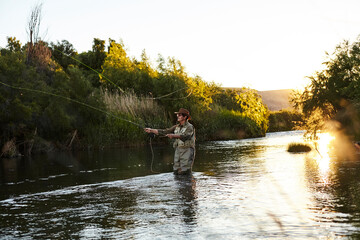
180, 117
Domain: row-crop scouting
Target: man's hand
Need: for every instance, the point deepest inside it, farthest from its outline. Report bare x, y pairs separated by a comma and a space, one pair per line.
171, 136
150, 130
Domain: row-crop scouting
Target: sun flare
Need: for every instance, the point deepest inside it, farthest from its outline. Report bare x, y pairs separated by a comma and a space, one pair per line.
324, 142
323, 146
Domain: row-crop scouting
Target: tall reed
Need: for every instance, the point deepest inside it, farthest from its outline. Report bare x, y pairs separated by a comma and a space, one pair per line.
131, 105
140, 110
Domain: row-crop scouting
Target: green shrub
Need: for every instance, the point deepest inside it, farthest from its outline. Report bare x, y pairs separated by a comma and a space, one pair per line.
284, 120
298, 147
224, 125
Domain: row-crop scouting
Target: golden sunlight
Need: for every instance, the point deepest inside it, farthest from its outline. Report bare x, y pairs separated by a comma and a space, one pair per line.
322, 147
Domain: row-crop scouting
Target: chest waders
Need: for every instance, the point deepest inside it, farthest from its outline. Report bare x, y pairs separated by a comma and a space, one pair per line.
184, 151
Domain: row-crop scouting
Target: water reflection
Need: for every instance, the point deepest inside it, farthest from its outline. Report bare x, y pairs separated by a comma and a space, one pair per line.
186, 186
323, 147
331, 181
9, 169
246, 189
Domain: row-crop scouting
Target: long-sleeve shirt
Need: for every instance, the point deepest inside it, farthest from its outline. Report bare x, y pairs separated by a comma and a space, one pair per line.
185, 135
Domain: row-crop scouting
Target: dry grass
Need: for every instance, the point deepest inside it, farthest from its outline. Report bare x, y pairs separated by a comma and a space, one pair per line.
9, 149
132, 105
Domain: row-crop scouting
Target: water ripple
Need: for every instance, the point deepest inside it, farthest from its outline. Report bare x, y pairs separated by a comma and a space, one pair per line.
246, 189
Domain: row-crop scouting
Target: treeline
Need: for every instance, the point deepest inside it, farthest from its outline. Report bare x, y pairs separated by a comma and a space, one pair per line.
51, 96
332, 99
285, 120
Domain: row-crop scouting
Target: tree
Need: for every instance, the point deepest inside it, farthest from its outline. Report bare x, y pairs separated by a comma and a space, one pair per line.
63, 53
38, 53
285, 120
13, 44
93, 60
228, 99
99, 53
33, 28
143, 74
334, 93
19, 109
118, 68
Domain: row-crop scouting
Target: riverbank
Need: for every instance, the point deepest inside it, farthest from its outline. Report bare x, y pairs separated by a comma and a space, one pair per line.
38, 145
52, 100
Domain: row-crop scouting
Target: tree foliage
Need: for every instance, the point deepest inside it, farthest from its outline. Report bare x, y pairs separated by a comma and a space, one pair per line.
63, 53
285, 120
334, 92
91, 61
13, 44
46, 92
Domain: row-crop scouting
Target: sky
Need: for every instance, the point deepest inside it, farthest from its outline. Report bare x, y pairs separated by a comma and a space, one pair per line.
261, 44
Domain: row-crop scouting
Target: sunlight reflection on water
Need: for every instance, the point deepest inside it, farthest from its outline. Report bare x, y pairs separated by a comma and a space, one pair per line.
323, 159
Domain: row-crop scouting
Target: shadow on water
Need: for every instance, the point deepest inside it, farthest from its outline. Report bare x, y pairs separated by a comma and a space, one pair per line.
61, 169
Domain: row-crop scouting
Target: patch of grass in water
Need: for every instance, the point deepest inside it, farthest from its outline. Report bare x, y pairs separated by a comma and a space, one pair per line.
298, 147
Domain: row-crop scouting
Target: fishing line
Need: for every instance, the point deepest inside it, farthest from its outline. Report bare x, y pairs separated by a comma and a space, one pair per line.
92, 107
152, 156
172, 99
107, 79
90, 68
72, 100
98, 109
169, 94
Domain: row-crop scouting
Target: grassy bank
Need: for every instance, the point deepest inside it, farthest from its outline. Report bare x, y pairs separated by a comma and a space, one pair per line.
49, 101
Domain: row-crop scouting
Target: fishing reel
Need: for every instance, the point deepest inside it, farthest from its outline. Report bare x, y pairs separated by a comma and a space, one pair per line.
152, 135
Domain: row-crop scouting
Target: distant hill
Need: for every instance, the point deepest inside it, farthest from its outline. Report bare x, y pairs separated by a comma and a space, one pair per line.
276, 99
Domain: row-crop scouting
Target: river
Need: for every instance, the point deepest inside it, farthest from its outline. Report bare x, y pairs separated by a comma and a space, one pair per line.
241, 189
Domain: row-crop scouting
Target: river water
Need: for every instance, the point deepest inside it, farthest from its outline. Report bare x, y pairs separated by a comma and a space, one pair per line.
243, 189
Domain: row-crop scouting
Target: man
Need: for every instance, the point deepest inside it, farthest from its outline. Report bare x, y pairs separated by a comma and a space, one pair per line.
184, 135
